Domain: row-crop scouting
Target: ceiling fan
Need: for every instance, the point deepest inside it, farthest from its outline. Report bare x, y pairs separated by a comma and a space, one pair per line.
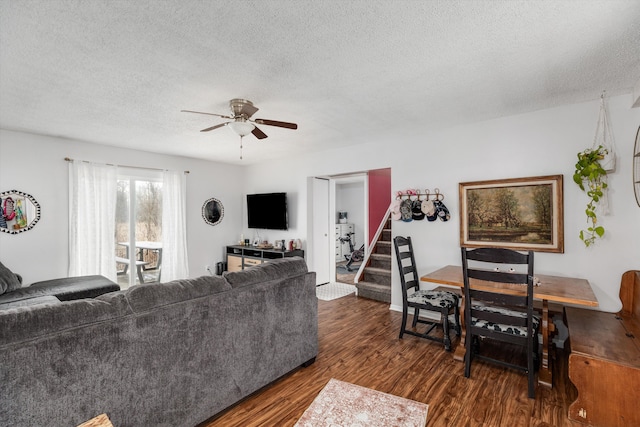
241, 123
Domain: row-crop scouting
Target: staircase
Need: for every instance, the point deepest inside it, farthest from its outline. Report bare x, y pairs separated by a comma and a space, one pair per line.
375, 281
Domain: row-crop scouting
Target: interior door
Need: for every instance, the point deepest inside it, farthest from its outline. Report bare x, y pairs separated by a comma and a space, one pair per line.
320, 221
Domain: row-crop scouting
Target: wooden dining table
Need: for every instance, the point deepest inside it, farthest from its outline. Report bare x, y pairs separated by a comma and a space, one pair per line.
554, 289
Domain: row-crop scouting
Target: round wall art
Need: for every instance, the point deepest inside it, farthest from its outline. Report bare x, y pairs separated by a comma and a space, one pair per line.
19, 212
212, 211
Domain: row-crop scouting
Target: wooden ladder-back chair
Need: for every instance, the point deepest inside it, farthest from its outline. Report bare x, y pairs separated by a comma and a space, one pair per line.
442, 302
506, 317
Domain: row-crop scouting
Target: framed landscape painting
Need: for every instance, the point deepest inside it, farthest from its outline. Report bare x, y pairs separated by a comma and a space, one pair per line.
518, 213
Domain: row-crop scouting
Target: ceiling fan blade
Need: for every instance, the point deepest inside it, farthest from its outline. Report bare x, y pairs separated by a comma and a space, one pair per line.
208, 114
276, 123
213, 127
248, 110
258, 133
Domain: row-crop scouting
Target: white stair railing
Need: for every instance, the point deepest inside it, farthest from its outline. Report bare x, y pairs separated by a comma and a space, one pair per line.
376, 237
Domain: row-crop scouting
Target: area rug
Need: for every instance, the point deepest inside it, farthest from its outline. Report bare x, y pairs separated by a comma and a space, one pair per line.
344, 404
332, 291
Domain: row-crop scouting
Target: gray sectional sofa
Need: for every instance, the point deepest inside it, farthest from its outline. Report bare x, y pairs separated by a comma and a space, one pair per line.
168, 354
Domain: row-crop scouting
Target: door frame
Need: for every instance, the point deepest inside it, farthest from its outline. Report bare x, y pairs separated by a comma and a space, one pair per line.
333, 179
323, 273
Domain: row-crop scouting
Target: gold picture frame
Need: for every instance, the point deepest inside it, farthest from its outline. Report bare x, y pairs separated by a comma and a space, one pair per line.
517, 213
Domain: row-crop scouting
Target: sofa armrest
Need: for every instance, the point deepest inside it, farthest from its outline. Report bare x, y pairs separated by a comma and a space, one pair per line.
72, 288
9, 281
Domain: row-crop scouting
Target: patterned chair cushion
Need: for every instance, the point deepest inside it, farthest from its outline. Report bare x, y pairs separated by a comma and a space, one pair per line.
499, 327
434, 298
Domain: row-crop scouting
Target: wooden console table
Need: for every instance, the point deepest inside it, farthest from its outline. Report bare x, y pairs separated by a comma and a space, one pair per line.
563, 290
604, 363
241, 257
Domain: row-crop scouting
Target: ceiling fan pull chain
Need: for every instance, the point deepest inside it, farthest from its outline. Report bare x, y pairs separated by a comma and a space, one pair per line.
240, 147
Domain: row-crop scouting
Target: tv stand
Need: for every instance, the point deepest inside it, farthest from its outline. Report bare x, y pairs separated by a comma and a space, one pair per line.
241, 257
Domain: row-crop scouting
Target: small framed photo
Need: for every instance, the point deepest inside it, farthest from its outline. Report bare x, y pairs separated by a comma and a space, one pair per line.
517, 213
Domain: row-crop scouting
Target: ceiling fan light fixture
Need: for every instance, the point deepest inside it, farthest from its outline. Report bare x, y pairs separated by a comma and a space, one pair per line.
242, 128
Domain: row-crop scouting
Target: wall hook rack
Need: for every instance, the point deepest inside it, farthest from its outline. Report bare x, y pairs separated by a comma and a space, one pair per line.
415, 194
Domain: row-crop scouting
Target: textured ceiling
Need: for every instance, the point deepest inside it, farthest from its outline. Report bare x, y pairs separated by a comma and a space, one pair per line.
118, 72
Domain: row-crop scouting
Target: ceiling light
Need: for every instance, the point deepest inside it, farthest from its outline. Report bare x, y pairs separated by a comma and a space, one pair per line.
240, 127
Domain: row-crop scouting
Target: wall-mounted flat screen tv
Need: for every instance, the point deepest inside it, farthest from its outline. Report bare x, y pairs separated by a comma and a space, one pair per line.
267, 211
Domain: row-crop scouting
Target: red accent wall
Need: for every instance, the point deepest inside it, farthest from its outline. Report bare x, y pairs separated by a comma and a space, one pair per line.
379, 198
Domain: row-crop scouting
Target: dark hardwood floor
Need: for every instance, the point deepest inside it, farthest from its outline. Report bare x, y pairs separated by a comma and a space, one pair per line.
359, 344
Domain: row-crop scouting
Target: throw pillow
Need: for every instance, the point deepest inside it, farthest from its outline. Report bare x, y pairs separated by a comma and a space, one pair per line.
8, 280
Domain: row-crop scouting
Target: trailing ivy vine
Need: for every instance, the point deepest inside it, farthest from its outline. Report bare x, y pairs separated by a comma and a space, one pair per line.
589, 171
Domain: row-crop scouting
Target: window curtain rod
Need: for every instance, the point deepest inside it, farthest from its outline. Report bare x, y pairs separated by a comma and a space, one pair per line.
69, 159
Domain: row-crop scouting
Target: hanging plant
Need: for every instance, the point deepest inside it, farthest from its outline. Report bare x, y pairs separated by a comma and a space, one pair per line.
591, 178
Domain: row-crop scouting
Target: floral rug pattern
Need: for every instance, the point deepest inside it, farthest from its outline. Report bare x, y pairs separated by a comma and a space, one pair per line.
343, 404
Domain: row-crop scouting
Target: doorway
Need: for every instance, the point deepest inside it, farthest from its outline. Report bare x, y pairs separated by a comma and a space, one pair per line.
138, 229
323, 217
350, 226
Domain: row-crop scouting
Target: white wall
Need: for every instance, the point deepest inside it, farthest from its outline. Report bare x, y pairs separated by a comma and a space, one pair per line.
35, 164
539, 143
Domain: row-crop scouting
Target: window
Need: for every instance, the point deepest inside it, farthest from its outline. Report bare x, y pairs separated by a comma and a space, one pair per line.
150, 220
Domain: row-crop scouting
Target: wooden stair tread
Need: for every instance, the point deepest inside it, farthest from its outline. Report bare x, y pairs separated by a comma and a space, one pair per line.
376, 270
378, 286
384, 256
374, 291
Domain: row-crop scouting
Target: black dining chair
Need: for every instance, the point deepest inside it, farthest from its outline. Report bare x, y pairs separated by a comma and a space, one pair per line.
505, 317
442, 302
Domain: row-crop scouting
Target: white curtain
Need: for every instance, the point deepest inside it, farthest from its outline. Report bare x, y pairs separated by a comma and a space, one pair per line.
92, 209
175, 264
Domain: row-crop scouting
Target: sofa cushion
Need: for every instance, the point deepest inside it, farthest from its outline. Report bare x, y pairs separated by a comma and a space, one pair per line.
147, 296
276, 269
70, 288
64, 289
8, 280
